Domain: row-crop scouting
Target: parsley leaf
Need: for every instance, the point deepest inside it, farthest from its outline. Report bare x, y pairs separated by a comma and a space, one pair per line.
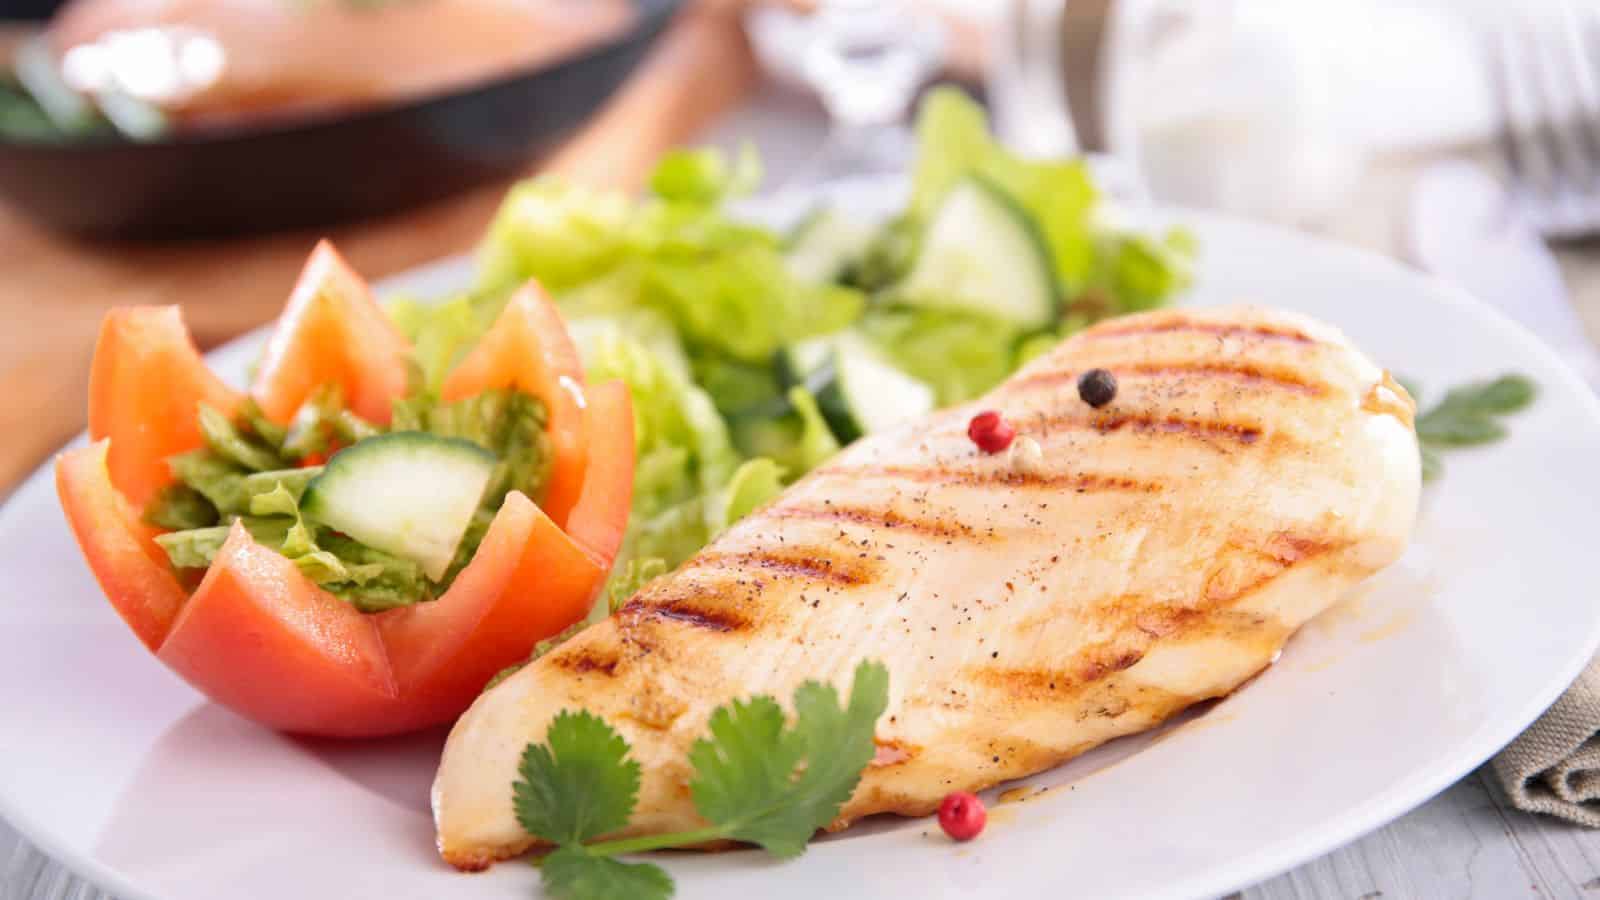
1468, 416
579, 784
746, 780
573, 873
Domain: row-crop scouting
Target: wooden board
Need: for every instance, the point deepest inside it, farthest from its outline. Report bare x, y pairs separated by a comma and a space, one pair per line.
54, 290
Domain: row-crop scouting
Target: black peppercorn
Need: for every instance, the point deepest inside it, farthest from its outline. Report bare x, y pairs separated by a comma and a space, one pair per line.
1097, 387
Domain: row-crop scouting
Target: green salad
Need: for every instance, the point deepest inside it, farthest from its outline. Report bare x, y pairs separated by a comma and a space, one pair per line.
753, 354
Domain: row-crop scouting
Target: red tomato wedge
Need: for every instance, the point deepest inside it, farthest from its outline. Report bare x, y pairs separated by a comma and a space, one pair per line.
263, 640
527, 577
145, 385
332, 332
528, 348
600, 517
260, 637
121, 550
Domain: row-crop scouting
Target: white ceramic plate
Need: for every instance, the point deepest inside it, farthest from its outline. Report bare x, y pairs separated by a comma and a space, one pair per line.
116, 767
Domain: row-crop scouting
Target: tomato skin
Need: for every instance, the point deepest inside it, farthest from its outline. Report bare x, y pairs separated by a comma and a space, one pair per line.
145, 385
527, 578
528, 348
600, 518
332, 332
121, 550
260, 638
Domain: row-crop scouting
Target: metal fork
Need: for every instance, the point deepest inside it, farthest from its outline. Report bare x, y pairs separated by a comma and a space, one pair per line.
1545, 73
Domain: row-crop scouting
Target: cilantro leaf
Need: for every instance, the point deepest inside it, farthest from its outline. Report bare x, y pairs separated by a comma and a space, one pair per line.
1432, 465
1466, 415
1506, 394
1459, 430
755, 781
747, 781
572, 873
577, 785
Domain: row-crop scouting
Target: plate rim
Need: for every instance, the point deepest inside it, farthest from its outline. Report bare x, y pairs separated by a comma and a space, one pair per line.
1381, 808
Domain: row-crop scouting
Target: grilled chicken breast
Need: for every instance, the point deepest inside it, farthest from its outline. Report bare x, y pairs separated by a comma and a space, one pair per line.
1029, 605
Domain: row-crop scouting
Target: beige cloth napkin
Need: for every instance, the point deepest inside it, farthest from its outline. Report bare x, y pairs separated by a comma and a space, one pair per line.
1554, 766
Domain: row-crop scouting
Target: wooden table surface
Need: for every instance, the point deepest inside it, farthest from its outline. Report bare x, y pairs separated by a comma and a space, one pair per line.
1465, 844
54, 290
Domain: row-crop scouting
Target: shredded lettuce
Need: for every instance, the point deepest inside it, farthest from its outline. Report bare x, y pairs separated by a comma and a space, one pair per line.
235, 444
243, 475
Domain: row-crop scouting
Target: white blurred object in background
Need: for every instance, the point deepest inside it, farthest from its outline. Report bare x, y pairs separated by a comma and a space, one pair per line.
866, 60
1271, 108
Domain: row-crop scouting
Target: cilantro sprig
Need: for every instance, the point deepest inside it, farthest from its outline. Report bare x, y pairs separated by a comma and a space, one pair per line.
758, 778
1469, 416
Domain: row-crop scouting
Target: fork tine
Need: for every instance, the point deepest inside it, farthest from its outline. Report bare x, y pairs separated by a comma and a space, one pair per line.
1561, 81
1526, 157
1577, 33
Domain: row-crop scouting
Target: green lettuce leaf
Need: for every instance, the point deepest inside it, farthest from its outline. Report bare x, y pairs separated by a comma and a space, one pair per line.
322, 423
798, 439
440, 333
681, 443
563, 234
745, 303
721, 282
953, 140
703, 176
180, 507
961, 354
208, 473
752, 485
235, 444
629, 579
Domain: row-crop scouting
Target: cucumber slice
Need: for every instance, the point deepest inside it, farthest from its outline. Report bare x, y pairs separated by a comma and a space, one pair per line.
983, 252
408, 493
824, 244
799, 362
867, 393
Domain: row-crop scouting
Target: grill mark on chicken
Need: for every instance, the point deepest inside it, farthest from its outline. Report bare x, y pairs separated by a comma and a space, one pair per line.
687, 609
1134, 622
1206, 430
1220, 329
1290, 548
1092, 667
800, 563
586, 660
1080, 482
1244, 373
886, 519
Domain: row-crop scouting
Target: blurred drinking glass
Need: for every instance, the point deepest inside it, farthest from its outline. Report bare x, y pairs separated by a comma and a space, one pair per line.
866, 59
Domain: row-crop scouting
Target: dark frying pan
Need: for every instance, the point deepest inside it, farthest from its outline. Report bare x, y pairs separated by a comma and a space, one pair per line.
320, 171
